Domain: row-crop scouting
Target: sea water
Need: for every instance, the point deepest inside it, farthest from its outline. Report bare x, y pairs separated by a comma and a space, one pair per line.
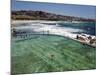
87, 27
63, 29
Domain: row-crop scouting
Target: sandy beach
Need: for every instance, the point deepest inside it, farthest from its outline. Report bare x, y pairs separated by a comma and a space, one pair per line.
41, 21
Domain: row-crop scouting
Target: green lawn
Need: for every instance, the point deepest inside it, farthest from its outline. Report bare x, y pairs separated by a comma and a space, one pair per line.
49, 54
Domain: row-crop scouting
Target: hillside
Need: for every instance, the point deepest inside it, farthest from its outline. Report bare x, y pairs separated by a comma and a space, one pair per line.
40, 15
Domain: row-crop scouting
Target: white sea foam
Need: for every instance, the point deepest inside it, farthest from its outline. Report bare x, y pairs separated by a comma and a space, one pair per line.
55, 29
50, 28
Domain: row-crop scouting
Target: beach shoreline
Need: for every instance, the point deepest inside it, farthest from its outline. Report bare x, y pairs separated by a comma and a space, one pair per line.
42, 21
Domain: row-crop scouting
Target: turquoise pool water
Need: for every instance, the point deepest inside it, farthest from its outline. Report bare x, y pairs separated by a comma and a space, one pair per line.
48, 53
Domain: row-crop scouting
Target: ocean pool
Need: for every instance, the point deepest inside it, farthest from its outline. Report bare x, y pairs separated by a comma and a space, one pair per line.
49, 53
